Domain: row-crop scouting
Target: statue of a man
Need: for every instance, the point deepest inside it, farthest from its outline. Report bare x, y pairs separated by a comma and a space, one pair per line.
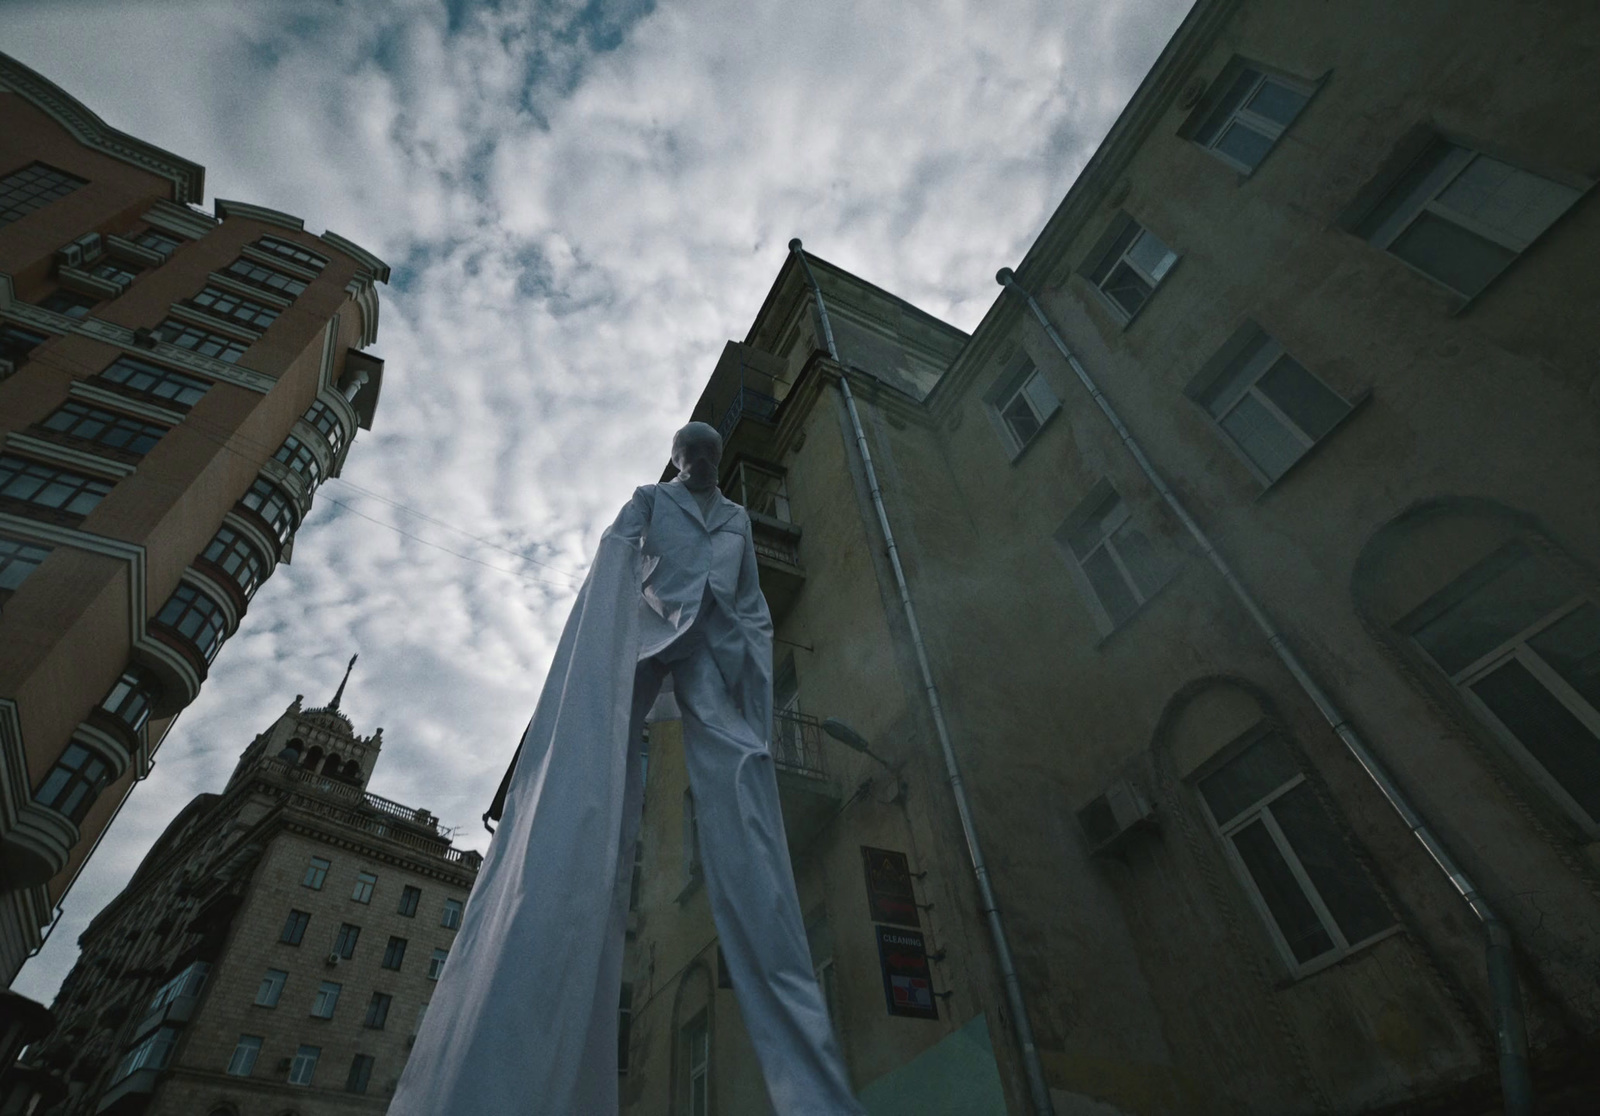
524, 1019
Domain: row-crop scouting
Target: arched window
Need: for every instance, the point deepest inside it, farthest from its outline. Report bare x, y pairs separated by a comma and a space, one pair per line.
196, 617
352, 771
238, 557
332, 765
291, 751
313, 758
274, 507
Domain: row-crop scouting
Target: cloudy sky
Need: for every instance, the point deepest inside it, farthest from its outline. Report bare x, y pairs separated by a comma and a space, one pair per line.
581, 203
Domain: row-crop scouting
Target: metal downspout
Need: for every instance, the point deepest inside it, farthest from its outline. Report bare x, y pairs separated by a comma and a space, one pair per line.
1037, 1087
1511, 1035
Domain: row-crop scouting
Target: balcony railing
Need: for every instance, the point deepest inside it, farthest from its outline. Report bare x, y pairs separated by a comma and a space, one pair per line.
411, 819
747, 401
797, 743
773, 541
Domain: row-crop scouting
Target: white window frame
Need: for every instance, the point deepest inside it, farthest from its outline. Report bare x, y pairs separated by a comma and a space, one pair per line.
777, 488
316, 873
436, 963
1022, 381
697, 1057
1109, 526
1425, 198
245, 1052
327, 1000
303, 1067
450, 919
270, 990
1106, 258
1517, 647
366, 884
1238, 113
1263, 360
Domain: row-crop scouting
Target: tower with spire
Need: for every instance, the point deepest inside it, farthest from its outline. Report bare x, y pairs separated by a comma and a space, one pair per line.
277, 945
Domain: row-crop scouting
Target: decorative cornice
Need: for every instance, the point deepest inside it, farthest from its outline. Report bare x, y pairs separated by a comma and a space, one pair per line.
179, 220
364, 293
278, 263
225, 209
330, 338
379, 269
188, 179
122, 337
63, 455
37, 846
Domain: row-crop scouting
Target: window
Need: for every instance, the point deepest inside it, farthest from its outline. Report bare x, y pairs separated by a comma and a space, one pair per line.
692, 870
1461, 217
1312, 892
154, 382
327, 999
624, 1026
107, 428
436, 963
33, 187
360, 1074
74, 783
258, 275
18, 559
316, 873
378, 1010
1254, 111
70, 303
345, 943
241, 311
452, 914
49, 487
163, 244
394, 954
1118, 568
153, 1053
1521, 643
292, 251
188, 983
1022, 400
244, 1057
364, 885
237, 557
762, 491
416, 1026
328, 425
1129, 266
304, 1065
16, 343
697, 1059
130, 698
202, 341
117, 272
196, 617
1266, 402
274, 506
298, 456
408, 901
294, 927
271, 988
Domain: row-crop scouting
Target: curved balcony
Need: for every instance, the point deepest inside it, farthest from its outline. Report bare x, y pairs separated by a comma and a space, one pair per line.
36, 847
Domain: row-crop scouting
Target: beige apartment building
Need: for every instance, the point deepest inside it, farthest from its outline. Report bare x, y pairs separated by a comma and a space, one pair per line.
174, 385
1253, 541
274, 951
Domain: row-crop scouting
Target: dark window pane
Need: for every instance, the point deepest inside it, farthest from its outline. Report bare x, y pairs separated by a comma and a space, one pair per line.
1120, 245
1349, 895
1461, 260
1548, 729
1227, 106
1572, 646
1303, 397
1277, 102
1140, 558
1127, 289
1510, 601
1246, 779
1418, 178
1019, 417
1291, 910
1264, 439
1243, 144
1109, 586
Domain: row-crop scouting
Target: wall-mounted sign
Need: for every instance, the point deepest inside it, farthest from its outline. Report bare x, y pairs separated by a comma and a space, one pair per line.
907, 983
889, 895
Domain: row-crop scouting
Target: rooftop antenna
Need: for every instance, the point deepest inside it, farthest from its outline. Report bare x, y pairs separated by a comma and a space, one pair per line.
339, 693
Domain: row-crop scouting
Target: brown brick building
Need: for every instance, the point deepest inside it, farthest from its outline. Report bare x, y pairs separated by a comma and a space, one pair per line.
173, 387
274, 950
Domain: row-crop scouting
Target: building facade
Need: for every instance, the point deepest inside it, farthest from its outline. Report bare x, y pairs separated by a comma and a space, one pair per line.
1267, 546
274, 951
173, 387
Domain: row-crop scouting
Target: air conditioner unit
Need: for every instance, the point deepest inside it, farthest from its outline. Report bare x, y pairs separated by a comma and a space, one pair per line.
144, 338
86, 249
333, 959
91, 246
69, 255
1112, 816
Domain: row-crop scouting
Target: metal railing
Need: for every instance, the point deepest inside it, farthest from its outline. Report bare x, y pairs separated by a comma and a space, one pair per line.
355, 796
797, 743
746, 401
771, 543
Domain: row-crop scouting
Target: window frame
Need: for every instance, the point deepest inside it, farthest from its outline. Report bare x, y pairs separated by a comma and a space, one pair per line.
1222, 108
159, 375
235, 309
75, 415
285, 520
250, 1047
366, 884
1017, 382
189, 600
1120, 517
256, 274
269, 993
410, 897
304, 1064
291, 251
378, 1007
344, 942
1260, 809
697, 1064
19, 554
73, 790
360, 1076
436, 963
326, 1001
29, 201
1109, 252
301, 460
237, 555
79, 486
316, 873
197, 339
452, 907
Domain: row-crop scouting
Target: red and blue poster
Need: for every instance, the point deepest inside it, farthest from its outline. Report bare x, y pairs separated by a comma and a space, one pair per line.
907, 983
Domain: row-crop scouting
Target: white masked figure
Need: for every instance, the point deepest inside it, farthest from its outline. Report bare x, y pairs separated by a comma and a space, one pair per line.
524, 1020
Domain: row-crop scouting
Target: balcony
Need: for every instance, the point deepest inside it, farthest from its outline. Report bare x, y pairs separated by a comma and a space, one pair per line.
763, 492
808, 795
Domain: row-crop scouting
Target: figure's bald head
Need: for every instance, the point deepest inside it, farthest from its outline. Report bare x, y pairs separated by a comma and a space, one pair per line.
697, 452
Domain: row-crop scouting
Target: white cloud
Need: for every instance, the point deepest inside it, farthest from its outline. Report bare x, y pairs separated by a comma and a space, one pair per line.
575, 234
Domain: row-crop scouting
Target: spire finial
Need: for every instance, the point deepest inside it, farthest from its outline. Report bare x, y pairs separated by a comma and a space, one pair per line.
339, 693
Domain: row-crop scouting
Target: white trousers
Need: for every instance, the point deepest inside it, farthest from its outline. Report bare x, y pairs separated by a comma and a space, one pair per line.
749, 882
